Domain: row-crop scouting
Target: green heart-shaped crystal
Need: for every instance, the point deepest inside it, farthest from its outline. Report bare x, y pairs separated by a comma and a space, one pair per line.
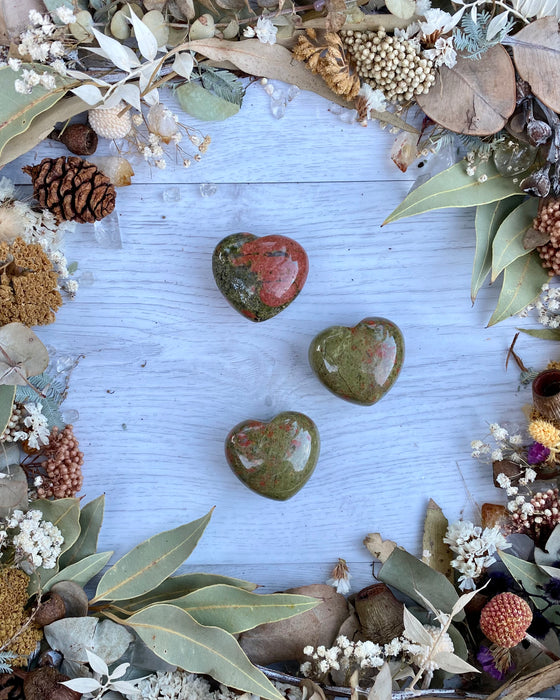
359, 364
276, 458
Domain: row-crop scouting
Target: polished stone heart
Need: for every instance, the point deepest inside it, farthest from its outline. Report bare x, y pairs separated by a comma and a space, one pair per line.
359, 364
275, 458
259, 276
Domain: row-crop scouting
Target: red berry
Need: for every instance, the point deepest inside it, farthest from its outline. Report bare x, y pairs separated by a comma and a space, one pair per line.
505, 619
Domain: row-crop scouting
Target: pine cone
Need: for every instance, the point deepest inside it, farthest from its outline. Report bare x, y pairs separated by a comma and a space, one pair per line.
72, 189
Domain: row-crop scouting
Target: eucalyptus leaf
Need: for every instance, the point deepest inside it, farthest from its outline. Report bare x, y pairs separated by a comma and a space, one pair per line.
454, 188
236, 610
82, 571
91, 519
13, 489
410, 576
7, 395
178, 586
174, 636
550, 556
487, 221
22, 354
17, 111
508, 242
150, 562
223, 84
204, 105
542, 333
522, 284
528, 575
438, 555
414, 629
65, 514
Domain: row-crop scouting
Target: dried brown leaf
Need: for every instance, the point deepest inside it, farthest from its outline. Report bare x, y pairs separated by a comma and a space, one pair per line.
438, 553
474, 97
336, 15
13, 489
380, 548
265, 61
536, 52
532, 683
285, 640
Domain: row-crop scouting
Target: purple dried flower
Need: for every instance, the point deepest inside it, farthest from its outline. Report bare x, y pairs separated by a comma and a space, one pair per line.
488, 663
537, 453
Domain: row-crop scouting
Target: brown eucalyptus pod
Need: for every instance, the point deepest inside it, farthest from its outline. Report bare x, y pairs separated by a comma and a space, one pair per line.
546, 394
45, 684
380, 613
80, 139
52, 608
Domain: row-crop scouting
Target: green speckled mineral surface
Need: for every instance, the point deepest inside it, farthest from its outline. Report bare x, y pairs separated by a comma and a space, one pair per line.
359, 364
276, 458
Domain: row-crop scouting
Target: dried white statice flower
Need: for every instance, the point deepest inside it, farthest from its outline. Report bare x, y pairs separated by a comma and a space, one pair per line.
37, 542
181, 685
475, 549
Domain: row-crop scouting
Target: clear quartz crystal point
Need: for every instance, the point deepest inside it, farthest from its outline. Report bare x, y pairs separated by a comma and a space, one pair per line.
278, 108
173, 194
208, 189
70, 416
64, 363
107, 232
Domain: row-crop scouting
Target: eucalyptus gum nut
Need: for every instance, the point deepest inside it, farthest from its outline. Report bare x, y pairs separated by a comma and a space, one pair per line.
202, 104
155, 21
120, 26
202, 28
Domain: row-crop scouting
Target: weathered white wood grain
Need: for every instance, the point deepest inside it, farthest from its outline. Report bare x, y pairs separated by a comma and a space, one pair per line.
169, 367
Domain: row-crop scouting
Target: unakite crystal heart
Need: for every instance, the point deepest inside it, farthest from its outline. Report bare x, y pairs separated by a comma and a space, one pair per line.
259, 276
275, 458
359, 364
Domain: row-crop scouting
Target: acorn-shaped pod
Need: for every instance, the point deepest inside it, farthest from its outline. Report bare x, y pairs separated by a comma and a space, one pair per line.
546, 394
359, 364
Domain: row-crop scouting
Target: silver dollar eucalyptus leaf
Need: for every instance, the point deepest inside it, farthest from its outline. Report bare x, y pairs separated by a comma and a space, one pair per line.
22, 354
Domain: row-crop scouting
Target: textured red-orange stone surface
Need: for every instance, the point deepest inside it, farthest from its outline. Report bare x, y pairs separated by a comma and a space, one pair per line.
505, 619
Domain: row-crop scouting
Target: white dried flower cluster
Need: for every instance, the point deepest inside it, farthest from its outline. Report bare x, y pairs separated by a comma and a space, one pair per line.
265, 31
475, 549
508, 445
37, 542
425, 655
548, 307
40, 43
443, 52
37, 426
347, 656
181, 685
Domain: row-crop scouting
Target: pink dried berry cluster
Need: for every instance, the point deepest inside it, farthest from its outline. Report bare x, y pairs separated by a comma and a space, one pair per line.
62, 467
505, 619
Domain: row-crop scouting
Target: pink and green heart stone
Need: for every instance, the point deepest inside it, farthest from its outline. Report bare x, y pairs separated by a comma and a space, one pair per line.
275, 458
359, 364
259, 276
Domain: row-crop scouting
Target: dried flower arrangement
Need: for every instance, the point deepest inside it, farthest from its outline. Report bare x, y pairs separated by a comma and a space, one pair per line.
478, 612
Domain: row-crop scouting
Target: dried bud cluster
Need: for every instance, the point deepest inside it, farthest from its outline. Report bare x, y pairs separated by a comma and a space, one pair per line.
28, 285
394, 66
505, 619
15, 425
548, 222
62, 467
13, 598
540, 518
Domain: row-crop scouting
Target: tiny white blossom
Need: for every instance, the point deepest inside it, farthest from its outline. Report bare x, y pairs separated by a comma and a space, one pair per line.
65, 14
443, 53
265, 31
503, 481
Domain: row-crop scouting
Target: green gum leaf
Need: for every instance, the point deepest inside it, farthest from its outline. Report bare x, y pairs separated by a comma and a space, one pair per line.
91, 519
236, 610
174, 636
527, 574
7, 394
82, 571
202, 104
454, 188
543, 334
508, 242
522, 284
150, 562
487, 221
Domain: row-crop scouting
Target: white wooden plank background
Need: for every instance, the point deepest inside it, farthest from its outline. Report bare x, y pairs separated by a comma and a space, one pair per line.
169, 367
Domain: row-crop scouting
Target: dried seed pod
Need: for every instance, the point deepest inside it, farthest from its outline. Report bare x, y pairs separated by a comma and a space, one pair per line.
80, 139
546, 394
539, 132
52, 608
505, 619
45, 684
536, 184
380, 613
74, 597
